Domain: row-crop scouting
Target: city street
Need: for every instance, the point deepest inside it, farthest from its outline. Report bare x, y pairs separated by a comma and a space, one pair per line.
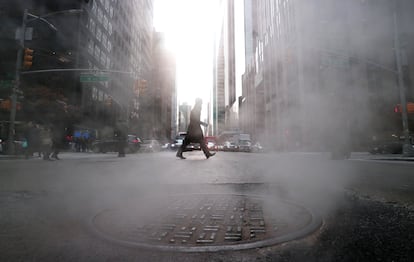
85, 206
309, 106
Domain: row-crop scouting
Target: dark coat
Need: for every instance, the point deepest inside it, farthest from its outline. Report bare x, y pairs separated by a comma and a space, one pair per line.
194, 132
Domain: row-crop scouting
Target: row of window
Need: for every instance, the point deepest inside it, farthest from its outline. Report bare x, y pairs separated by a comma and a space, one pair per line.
100, 35
98, 95
100, 55
101, 29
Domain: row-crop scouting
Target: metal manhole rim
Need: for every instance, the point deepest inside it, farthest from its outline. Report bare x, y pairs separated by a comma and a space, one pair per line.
316, 223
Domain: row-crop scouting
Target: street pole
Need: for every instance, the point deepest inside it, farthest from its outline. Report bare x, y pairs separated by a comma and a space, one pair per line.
21, 39
10, 141
407, 151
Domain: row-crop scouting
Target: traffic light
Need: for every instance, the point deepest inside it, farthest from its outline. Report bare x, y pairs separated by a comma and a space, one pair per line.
28, 58
410, 108
397, 108
140, 86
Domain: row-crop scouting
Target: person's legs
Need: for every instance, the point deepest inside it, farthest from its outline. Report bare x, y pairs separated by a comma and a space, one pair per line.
182, 148
205, 149
46, 153
55, 153
28, 151
121, 148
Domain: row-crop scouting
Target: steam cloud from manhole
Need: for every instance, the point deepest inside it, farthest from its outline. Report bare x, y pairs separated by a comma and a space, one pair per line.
206, 223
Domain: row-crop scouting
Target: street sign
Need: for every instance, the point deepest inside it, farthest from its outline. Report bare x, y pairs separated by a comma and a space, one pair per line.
93, 78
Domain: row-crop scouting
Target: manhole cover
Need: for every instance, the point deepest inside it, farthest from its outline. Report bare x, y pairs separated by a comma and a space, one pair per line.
206, 222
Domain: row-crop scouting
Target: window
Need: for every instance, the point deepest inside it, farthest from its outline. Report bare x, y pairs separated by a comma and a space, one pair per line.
105, 23
108, 62
94, 93
100, 96
103, 58
97, 52
92, 25
110, 29
100, 15
105, 41
111, 11
90, 46
98, 34
94, 7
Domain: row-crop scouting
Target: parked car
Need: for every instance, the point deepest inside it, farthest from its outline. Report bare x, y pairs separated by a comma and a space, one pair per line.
165, 146
211, 143
245, 146
18, 146
178, 141
387, 147
230, 146
150, 146
193, 146
111, 145
257, 147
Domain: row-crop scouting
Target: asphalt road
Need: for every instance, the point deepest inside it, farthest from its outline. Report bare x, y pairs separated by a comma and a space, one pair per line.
46, 206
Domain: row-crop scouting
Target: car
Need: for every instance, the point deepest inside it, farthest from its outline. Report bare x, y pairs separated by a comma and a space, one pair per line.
165, 146
19, 146
257, 147
387, 147
211, 143
151, 146
245, 146
178, 141
111, 145
193, 146
134, 143
230, 146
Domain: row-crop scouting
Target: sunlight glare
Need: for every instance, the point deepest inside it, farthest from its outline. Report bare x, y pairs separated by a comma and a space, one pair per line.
189, 26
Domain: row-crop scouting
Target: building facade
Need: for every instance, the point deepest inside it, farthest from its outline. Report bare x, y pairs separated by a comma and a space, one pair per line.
224, 83
158, 104
322, 74
107, 45
118, 37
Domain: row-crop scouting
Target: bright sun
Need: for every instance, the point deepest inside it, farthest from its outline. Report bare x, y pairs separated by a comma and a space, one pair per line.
189, 26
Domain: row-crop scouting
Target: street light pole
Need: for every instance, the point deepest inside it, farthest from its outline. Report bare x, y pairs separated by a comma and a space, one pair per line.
407, 148
21, 38
22, 33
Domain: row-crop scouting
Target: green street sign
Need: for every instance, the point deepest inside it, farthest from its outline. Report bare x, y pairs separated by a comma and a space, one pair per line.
93, 78
6, 83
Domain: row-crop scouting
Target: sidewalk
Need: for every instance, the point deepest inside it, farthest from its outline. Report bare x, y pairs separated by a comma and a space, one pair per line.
65, 154
386, 157
354, 156
9, 157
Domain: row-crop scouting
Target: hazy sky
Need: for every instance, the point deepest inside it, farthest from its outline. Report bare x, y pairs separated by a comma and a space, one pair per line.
189, 27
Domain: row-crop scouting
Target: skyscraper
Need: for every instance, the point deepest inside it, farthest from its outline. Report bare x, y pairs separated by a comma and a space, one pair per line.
224, 86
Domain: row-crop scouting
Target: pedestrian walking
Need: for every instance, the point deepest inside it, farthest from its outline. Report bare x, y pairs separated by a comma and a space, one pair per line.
35, 141
46, 142
57, 141
121, 136
194, 132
